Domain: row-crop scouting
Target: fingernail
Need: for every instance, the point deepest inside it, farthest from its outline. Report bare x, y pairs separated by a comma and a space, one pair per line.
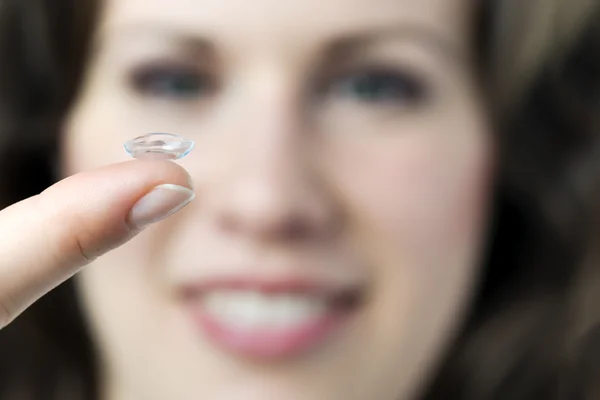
162, 201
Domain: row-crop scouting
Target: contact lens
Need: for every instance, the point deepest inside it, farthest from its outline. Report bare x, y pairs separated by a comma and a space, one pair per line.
166, 146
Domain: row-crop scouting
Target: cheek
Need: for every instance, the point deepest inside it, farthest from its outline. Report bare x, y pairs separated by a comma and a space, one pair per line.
94, 132
419, 204
123, 286
422, 199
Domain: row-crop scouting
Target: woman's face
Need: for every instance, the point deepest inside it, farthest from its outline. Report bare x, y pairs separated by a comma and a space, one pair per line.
341, 168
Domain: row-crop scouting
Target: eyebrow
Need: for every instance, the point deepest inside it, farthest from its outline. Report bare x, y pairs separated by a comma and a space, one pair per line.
340, 45
347, 45
184, 39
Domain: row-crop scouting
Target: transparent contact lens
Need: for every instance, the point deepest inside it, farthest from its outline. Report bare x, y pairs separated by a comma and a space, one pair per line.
165, 146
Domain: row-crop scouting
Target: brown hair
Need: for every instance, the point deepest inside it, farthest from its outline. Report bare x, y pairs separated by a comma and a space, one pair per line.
529, 335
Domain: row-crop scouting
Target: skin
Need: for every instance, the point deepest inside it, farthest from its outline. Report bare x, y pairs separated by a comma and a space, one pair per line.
294, 167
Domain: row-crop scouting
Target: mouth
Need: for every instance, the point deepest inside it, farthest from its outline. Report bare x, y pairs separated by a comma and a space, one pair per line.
270, 320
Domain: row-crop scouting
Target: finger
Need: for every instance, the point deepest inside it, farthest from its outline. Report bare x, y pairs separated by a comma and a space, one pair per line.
47, 238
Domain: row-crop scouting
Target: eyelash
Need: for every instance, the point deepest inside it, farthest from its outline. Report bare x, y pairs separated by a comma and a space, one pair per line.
374, 85
176, 82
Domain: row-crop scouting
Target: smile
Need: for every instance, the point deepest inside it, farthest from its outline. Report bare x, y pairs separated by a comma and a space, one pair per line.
270, 320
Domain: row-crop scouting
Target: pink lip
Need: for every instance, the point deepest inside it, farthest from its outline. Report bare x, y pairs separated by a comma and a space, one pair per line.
272, 285
268, 344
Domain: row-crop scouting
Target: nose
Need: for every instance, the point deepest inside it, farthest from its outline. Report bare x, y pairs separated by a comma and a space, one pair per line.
271, 202
273, 190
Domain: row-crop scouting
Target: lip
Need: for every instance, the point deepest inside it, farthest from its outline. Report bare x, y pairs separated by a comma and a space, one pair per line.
283, 343
270, 285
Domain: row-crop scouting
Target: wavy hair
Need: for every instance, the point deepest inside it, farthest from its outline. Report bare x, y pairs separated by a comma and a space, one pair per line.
533, 329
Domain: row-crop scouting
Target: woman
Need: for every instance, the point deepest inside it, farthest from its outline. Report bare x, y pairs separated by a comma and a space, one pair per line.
391, 199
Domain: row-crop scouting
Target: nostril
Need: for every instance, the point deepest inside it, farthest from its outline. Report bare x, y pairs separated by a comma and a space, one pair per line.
272, 203
297, 228
227, 223
275, 225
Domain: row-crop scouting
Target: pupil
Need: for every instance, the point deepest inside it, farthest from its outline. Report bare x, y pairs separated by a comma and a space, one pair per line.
382, 86
183, 85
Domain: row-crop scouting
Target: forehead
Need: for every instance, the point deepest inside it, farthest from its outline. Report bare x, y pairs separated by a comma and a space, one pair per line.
287, 21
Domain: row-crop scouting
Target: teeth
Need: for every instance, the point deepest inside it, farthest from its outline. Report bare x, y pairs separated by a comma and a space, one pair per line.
253, 310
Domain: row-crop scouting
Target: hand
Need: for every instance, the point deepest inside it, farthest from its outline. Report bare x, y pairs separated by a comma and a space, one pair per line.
47, 238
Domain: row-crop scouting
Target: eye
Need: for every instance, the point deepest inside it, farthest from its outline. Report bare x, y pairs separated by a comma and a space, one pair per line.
380, 85
172, 81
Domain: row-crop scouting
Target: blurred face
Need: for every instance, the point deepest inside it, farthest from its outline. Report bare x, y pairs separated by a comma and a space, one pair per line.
341, 169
